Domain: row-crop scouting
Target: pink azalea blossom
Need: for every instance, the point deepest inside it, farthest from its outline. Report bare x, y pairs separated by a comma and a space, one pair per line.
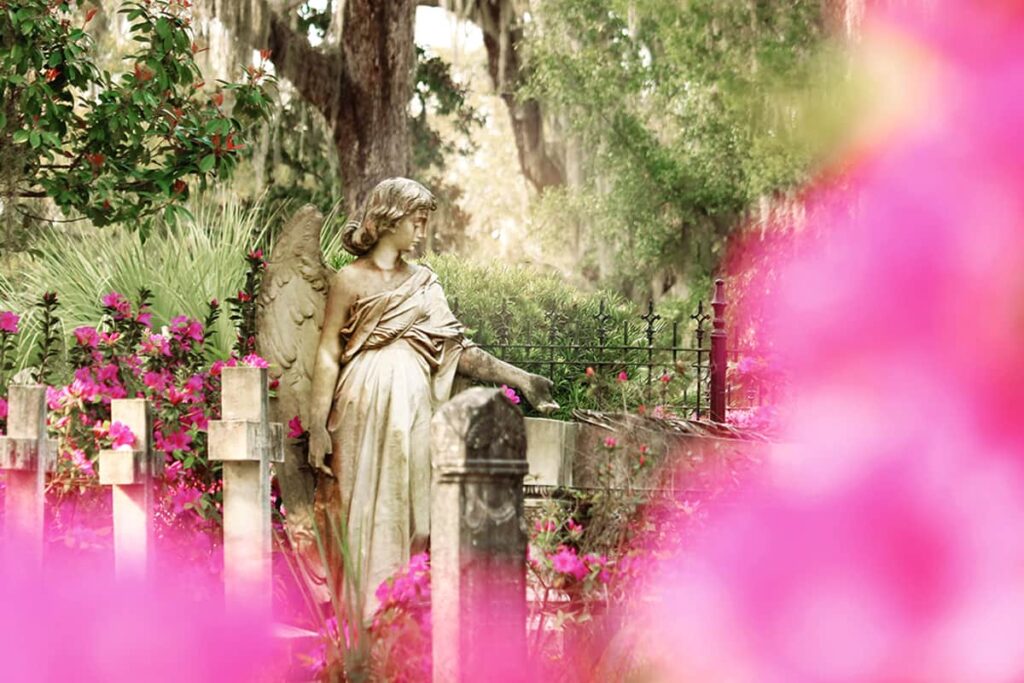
665, 378
566, 561
55, 397
194, 386
611, 442
106, 373
186, 330
218, 365
177, 397
155, 344
158, 381
109, 338
185, 497
179, 440
84, 389
195, 417
510, 394
145, 318
81, 461
254, 361
295, 429
118, 303
9, 322
120, 435
623, 377
172, 470
574, 527
87, 336
3, 408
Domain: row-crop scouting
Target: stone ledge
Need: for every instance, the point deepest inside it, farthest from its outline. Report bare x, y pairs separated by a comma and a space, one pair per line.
23, 454
127, 466
243, 440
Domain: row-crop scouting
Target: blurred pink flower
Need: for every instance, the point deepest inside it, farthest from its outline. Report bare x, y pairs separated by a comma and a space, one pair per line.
295, 429
155, 344
566, 561
9, 322
87, 336
610, 442
219, 364
186, 330
81, 461
120, 435
178, 440
510, 394
172, 469
120, 305
254, 361
623, 377
184, 497
886, 543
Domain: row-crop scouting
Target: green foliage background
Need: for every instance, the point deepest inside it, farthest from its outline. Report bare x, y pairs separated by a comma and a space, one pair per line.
689, 112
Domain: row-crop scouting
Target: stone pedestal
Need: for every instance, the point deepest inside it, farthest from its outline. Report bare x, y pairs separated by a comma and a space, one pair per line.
246, 443
478, 539
26, 455
550, 448
130, 471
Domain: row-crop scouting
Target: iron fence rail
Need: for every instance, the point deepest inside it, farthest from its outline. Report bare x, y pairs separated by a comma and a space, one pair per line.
646, 342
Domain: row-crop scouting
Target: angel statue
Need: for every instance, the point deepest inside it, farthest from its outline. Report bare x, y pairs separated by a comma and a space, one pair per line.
366, 355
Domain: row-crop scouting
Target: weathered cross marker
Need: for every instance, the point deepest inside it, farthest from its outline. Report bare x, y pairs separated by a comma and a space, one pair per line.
130, 470
27, 455
246, 443
478, 538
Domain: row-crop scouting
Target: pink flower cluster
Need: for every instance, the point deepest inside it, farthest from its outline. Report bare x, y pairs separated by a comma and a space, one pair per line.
510, 394
408, 591
9, 322
566, 561
295, 428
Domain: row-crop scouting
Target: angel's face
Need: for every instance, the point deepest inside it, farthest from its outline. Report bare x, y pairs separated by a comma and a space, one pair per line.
409, 230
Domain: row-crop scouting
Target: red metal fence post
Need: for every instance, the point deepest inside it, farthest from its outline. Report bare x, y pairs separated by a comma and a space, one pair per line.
719, 357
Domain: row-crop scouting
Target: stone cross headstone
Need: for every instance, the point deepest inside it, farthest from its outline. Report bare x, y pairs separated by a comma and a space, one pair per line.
130, 471
26, 455
478, 539
246, 442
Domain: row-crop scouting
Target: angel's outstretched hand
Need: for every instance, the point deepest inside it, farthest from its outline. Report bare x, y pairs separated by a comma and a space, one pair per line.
319, 447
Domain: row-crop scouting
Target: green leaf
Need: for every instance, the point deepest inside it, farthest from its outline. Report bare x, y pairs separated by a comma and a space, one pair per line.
20, 136
208, 162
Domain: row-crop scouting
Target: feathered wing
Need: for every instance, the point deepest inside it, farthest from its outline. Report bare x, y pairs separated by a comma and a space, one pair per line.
290, 314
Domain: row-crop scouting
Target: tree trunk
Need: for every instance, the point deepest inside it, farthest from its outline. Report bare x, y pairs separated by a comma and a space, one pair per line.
362, 86
371, 130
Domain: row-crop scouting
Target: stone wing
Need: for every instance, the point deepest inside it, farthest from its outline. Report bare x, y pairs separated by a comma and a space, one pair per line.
290, 311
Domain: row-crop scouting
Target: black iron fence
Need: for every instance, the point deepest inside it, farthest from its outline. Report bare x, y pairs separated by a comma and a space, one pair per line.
681, 366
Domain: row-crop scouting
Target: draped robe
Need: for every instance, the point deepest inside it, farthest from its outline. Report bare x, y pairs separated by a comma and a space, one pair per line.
400, 350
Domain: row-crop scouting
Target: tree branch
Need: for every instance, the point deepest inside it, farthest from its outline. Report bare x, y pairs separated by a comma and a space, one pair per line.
318, 76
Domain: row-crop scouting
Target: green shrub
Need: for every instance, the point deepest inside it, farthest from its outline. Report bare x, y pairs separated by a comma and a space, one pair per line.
542, 324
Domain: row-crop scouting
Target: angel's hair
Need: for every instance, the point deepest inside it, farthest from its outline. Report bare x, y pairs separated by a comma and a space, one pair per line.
389, 202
